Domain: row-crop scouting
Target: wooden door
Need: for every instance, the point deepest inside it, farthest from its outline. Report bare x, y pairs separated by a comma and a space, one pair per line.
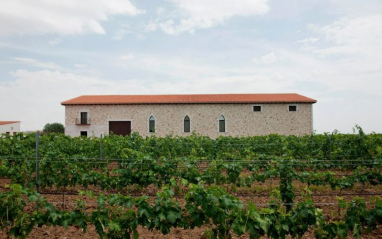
120, 127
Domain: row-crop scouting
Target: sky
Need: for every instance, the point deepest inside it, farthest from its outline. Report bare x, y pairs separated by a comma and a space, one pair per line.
328, 50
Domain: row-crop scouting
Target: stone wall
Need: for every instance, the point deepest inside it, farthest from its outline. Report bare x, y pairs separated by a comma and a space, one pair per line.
241, 120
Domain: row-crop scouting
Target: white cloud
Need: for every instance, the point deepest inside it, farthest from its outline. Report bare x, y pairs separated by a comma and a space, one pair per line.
151, 26
160, 11
349, 53
67, 17
308, 43
37, 95
125, 29
201, 14
354, 36
266, 59
79, 65
349, 36
126, 57
180, 75
55, 42
37, 63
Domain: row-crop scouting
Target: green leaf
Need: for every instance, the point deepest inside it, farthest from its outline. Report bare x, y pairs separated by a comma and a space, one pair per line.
341, 202
172, 217
238, 228
356, 230
135, 234
143, 211
54, 216
162, 216
114, 226
226, 202
285, 226
184, 182
263, 224
33, 198
342, 230
173, 182
65, 223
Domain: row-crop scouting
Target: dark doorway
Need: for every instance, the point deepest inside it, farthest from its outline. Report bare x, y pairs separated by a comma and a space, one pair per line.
120, 127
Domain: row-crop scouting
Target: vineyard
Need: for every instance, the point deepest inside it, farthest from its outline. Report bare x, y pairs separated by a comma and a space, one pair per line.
314, 186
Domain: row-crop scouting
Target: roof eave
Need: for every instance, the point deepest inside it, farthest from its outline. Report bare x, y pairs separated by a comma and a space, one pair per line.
164, 103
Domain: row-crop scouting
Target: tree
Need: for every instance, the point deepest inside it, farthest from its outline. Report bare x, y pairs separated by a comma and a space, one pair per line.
54, 128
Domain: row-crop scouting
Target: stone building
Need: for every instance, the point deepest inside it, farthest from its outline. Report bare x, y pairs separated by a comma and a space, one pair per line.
212, 115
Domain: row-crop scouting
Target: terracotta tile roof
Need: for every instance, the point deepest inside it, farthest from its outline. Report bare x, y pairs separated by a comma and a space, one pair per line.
188, 99
8, 122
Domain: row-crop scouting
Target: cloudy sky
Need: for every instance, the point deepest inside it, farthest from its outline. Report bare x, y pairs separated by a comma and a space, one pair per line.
329, 50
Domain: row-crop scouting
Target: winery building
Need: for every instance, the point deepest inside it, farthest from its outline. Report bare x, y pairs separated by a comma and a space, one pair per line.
211, 115
9, 127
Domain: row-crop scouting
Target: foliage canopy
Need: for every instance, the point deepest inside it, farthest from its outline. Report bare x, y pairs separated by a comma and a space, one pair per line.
54, 128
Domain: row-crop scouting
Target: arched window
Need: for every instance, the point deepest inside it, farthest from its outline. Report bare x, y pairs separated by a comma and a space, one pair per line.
152, 124
221, 123
187, 124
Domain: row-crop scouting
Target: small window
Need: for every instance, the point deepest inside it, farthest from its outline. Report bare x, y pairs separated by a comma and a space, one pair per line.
257, 108
84, 117
292, 108
187, 124
221, 123
7, 133
152, 124
84, 133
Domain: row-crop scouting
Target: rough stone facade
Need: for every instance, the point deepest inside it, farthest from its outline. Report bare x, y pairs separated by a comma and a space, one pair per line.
241, 119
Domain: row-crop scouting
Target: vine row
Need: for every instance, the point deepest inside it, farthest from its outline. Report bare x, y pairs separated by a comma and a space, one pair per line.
118, 216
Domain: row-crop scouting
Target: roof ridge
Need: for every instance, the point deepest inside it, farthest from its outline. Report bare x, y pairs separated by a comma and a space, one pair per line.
290, 93
191, 99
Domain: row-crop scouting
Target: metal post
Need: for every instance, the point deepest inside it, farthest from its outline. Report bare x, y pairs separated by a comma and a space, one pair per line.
360, 151
311, 143
37, 160
330, 147
100, 148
